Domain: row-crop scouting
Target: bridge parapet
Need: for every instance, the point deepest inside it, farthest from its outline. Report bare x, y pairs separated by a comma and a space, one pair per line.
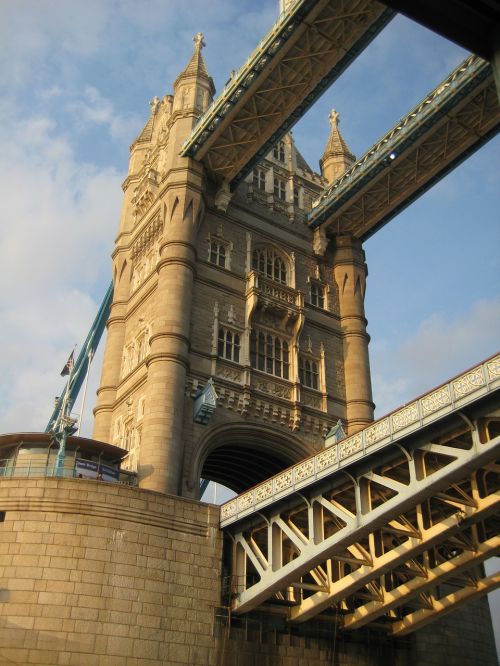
436, 404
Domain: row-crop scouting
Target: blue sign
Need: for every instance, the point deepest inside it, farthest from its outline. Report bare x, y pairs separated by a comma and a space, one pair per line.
89, 469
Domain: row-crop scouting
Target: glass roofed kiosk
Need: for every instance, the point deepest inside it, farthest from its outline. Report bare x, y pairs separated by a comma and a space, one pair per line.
34, 454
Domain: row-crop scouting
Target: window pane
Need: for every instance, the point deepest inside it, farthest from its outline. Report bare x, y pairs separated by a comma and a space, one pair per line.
220, 346
315, 375
222, 256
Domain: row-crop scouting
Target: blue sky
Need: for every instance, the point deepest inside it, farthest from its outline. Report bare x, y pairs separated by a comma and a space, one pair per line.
77, 78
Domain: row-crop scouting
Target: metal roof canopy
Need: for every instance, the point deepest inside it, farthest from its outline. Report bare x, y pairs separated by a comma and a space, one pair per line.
306, 50
454, 120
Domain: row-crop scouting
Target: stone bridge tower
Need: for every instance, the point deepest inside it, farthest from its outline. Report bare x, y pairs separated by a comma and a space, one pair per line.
239, 292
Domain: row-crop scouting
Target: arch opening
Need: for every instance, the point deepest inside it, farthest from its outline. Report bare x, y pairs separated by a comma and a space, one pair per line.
241, 458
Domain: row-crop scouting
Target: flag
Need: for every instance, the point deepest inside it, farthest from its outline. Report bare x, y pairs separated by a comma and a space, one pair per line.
69, 364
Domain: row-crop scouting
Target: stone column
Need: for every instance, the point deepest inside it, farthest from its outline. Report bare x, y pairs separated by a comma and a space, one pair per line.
161, 453
110, 375
350, 274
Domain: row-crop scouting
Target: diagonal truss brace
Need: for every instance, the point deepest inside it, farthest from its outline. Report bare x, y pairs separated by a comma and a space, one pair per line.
440, 607
432, 576
314, 548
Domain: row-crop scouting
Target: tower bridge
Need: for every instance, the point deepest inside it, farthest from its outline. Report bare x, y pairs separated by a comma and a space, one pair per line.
236, 340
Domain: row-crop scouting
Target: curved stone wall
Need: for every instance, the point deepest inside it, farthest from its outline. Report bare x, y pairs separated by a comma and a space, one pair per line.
93, 573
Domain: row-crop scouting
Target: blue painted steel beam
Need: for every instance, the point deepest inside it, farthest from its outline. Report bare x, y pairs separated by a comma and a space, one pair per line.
85, 356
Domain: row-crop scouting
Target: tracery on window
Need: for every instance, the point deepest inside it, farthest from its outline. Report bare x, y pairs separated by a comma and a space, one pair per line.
217, 253
269, 353
308, 372
265, 260
143, 267
135, 352
128, 435
228, 344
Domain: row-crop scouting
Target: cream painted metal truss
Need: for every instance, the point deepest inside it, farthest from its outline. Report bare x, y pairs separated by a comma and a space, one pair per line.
453, 121
306, 50
397, 535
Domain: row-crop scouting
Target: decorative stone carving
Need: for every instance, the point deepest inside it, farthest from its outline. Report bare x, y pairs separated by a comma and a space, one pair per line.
349, 447
223, 197
272, 388
320, 241
436, 400
229, 509
283, 481
245, 501
264, 491
147, 238
494, 368
154, 104
468, 383
229, 373
326, 458
304, 470
312, 401
405, 416
377, 431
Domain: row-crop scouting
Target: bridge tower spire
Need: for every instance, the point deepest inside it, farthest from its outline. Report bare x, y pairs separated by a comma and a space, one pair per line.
154, 262
337, 157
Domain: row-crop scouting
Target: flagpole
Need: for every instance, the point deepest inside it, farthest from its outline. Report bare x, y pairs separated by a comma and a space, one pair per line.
62, 435
90, 357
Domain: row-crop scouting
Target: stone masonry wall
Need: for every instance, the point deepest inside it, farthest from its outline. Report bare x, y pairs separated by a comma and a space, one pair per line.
95, 574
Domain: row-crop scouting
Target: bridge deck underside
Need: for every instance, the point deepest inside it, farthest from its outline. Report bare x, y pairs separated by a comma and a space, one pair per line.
455, 119
396, 541
306, 51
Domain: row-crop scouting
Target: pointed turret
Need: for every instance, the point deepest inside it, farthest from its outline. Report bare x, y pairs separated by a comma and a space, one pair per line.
194, 88
337, 157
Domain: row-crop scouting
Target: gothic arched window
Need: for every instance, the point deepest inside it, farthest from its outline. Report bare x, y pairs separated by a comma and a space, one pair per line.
267, 261
308, 372
228, 345
269, 353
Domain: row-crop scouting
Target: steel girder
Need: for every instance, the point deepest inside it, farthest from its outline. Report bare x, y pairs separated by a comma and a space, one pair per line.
399, 541
453, 121
306, 50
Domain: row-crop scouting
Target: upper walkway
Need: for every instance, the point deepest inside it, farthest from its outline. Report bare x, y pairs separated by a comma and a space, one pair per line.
449, 124
311, 44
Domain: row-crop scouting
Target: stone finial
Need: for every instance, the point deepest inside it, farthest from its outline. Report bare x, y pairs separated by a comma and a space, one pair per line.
337, 157
199, 41
154, 104
334, 118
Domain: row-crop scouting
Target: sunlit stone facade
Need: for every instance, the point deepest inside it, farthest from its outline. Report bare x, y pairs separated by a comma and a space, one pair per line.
233, 287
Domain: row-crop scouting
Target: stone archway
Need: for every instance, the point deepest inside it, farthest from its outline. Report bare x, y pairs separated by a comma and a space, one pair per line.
240, 455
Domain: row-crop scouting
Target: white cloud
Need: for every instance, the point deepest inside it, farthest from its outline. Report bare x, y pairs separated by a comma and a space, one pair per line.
91, 108
439, 349
57, 224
